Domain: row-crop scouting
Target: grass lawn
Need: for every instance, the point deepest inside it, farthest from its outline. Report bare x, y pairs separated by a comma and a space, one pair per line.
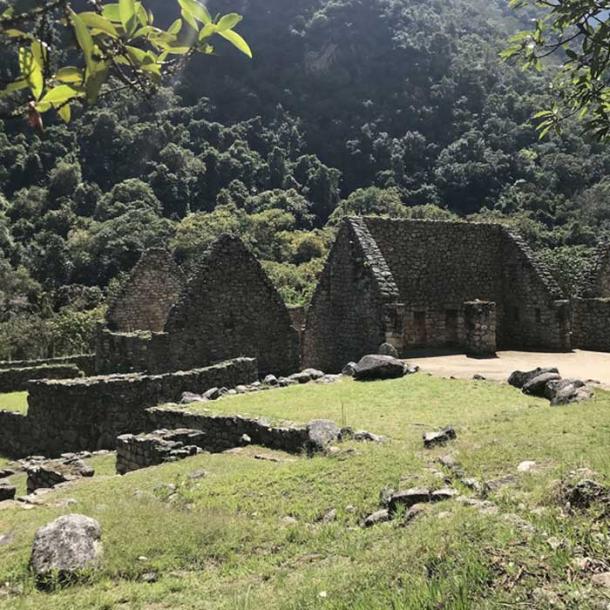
15, 401
249, 535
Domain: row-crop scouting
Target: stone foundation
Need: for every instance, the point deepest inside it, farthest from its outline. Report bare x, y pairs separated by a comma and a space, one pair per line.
144, 450
17, 379
45, 474
480, 325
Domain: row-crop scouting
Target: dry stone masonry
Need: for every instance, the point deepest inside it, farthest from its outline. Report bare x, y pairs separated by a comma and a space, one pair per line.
408, 282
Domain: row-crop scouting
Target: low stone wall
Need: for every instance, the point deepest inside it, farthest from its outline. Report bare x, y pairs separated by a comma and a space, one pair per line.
122, 352
17, 380
223, 432
88, 414
15, 435
591, 324
136, 451
85, 362
480, 322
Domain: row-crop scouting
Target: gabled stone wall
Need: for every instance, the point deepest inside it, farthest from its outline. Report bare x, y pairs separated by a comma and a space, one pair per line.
596, 284
228, 309
154, 285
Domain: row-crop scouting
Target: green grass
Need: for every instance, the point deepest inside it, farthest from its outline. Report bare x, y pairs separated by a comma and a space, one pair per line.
224, 541
15, 401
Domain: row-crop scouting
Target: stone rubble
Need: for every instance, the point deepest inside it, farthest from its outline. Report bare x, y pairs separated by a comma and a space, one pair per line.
441, 437
548, 383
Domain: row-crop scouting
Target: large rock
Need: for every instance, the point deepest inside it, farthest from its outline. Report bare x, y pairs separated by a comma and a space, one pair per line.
66, 549
375, 366
537, 385
518, 379
408, 498
322, 433
7, 492
441, 437
567, 391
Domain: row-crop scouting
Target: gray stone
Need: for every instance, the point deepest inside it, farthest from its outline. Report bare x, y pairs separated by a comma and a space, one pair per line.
537, 385
349, 369
380, 516
212, 394
417, 510
365, 436
519, 379
188, 398
555, 386
314, 373
7, 492
601, 580
441, 495
241, 389
374, 367
65, 549
6, 472
284, 382
270, 380
568, 392
301, 377
322, 433
441, 437
387, 349
408, 498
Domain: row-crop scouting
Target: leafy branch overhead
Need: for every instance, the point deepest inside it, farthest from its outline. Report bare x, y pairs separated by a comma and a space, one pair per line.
578, 33
117, 46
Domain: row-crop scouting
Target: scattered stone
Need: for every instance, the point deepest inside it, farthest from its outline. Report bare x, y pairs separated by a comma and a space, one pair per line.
270, 380
51, 473
66, 549
245, 440
322, 433
150, 577
555, 543
349, 369
602, 580
417, 510
484, 506
475, 485
582, 494
479, 378
301, 377
329, 516
6, 539
284, 382
7, 492
289, 520
197, 474
241, 389
5, 473
519, 379
376, 367
365, 436
223, 392
380, 516
314, 374
326, 379
527, 466
408, 498
571, 394
442, 437
537, 385
212, 394
387, 349
189, 398
385, 495
441, 495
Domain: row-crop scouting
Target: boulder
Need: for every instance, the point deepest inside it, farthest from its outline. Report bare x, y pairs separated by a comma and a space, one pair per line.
380, 516
568, 393
349, 369
373, 367
270, 380
66, 549
314, 374
6, 472
7, 492
387, 349
518, 379
212, 394
441, 437
190, 398
555, 386
322, 433
301, 377
537, 385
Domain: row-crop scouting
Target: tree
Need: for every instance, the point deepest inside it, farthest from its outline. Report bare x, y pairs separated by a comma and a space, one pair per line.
577, 32
118, 47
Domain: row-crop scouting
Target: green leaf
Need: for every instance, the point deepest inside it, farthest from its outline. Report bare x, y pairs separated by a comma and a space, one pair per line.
112, 12
17, 85
129, 19
95, 21
59, 95
190, 20
196, 10
175, 27
31, 71
207, 31
95, 80
69, 74
237, 41
65, 113
139, 57
228, 22
84, 38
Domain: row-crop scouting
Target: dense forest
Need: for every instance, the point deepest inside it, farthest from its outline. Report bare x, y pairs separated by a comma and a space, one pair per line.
398, 107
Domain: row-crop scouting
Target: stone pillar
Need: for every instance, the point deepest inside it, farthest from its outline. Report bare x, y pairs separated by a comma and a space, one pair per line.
480, 328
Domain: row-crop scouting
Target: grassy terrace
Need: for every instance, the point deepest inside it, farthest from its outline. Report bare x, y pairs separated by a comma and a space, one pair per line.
249, 535
15, 401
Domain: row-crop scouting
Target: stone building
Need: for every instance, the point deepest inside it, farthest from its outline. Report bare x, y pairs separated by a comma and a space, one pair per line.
597, 283
152, 288
416, 284
230, 308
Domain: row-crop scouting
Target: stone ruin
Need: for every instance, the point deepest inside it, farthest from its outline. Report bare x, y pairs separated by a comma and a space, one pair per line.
413, 283
228, 308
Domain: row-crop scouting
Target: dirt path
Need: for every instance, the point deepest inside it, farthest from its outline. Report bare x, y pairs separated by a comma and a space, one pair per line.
580, 364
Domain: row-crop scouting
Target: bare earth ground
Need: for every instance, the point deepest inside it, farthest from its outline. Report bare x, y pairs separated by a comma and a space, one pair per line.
580, 364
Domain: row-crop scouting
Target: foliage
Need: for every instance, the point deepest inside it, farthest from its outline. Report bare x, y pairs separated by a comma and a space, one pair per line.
118, 45
577, 32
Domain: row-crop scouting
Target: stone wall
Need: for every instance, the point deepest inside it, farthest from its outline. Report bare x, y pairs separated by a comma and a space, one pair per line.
88, 414
17, 380
122, 352
597, 282
591, 324
85, 362
228, 309
347, 316
222, 432
153, 287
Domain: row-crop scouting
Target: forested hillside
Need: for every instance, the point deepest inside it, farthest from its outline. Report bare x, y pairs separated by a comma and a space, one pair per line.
399, 107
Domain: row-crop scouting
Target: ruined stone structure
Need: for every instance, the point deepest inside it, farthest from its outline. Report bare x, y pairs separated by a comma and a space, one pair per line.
152, 288
228, 308
597, 283
407, 282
